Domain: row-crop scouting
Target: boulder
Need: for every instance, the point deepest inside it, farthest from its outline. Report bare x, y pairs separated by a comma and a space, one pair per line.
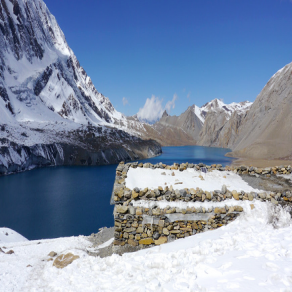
52, 254
63, 261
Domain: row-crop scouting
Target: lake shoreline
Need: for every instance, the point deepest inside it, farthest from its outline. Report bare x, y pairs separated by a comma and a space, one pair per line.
262, 163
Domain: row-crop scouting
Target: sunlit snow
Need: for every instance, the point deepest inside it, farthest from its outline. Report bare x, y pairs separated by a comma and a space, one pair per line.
253, 253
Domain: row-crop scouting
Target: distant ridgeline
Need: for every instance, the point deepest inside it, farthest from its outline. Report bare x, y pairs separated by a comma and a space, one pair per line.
146, 216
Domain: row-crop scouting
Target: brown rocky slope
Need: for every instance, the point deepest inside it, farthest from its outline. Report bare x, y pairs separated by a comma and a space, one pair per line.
266, 130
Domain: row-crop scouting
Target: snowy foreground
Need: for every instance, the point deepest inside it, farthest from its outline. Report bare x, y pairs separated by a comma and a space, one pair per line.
254, 253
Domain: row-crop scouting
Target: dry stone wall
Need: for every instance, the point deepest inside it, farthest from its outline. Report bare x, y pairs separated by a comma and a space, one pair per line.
139, 225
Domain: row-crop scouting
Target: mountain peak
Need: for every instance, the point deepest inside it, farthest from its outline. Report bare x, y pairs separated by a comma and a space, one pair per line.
40, 77
165, 114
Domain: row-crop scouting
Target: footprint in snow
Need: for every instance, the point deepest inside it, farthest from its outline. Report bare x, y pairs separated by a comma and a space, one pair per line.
271, 266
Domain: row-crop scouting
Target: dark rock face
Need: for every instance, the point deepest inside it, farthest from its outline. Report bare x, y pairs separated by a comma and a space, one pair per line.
87, 150
16, 158
20, 158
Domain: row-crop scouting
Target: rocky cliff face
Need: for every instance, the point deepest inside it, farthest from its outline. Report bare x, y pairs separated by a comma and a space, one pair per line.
220, 129
188, 121
266, 130
49, 107
83, 146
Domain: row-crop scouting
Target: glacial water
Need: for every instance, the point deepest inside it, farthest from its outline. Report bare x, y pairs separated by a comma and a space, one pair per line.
64, 201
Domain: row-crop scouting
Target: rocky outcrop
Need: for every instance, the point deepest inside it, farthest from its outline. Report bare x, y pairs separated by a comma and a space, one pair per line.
220, 129
188, 121
213, 125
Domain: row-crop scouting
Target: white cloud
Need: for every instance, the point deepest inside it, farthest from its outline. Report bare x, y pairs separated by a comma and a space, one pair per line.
189, 95
171, 104
153, 108
125, 101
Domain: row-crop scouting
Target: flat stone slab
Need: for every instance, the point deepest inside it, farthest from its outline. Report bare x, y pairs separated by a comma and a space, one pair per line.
177, 217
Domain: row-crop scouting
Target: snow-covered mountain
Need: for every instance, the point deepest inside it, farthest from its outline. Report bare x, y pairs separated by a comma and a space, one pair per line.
197, 125
46, 97
221, 122
40, 77
217, 105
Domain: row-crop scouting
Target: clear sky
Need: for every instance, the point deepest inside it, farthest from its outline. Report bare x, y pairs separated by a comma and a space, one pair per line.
197, 49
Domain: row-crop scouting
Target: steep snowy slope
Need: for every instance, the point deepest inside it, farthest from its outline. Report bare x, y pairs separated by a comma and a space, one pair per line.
41, 79
46, 97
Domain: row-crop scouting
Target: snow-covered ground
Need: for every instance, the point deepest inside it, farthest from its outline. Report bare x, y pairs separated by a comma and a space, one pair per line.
253, 253
8, 235
189, 178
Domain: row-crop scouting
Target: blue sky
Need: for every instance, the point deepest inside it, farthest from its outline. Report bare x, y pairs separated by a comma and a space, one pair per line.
198, 49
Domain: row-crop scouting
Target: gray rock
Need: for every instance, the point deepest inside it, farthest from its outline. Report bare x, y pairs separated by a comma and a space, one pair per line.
156, 235
273, 201
137, 190
183, 193
224, 189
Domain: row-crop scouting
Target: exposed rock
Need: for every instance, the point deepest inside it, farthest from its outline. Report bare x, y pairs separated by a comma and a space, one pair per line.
52, 254
235, 195
132, 242
63, 261
146, 241
121, 209
238, 209
161, 240
265, 131
273, 201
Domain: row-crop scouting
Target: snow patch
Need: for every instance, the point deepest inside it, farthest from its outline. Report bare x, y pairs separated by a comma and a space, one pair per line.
189, 178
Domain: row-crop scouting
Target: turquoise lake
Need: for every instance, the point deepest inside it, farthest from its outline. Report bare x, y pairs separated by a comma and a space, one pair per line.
65, 201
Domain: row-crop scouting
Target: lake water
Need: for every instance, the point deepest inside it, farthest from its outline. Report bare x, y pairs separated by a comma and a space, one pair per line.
64, 201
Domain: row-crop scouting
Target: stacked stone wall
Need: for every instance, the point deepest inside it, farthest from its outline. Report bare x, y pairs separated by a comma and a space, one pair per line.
137, 225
